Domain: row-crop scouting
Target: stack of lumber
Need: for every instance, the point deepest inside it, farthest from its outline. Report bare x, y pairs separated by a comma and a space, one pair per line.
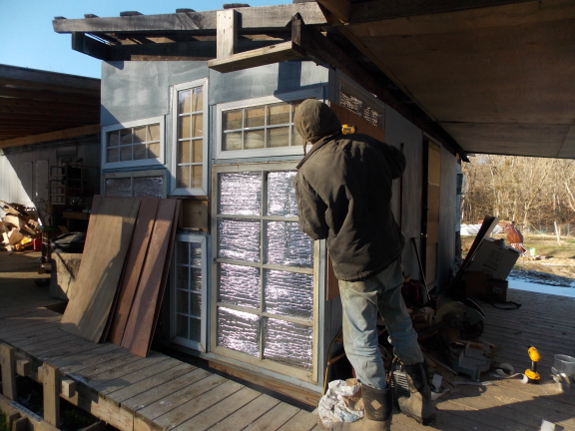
124, 271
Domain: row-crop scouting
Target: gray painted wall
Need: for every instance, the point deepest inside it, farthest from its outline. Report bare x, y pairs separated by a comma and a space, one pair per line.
399, 130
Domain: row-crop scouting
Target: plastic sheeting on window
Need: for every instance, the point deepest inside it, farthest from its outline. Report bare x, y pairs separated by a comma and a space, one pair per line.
239, 239
240, 193
288, 245
240, 285
281, 194
149, 186
239, 331
120, 187
289, 343
289, 293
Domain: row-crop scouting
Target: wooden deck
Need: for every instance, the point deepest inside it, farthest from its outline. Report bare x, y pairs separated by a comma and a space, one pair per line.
162, 393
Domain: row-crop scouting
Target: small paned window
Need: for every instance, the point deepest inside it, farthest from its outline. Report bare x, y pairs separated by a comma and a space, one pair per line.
133, 144
188, 291
135, 184
190, 154
259, 127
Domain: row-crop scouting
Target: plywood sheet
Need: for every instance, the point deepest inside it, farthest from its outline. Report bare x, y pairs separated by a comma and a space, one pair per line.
143, 314
107, 242
133, 269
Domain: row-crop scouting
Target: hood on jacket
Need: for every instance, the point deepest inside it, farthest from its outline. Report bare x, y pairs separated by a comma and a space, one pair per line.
314, 119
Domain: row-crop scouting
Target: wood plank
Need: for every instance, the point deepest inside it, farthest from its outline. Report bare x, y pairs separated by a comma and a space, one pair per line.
75, 362
78, 346
116, 374
107, 242
51, 384
8, 366
134, 263
302, 421
258, 57
165, 274
220, 410
106, 388
274, 418
194, 214
176, 399
164, 389
142, 319
248, 414
151, 382
182, 413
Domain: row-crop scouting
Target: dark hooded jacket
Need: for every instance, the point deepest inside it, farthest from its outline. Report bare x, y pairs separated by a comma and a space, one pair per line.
343, 191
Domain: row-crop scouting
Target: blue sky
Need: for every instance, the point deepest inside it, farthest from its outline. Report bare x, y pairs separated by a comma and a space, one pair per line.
27, 38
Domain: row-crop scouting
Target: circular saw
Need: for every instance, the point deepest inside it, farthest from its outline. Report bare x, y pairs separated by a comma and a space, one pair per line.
459, 320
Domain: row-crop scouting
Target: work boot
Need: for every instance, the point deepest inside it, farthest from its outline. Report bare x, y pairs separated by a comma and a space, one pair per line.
419, 405
377, 408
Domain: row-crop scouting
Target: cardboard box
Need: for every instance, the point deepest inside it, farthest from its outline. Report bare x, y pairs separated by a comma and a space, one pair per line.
496, 290
494, 258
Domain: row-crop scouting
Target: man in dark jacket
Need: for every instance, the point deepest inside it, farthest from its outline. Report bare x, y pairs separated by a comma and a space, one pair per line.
343, 191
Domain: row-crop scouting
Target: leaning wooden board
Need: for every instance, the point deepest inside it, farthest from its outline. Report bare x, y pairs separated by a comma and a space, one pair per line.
143, 316
133, 269
107, 242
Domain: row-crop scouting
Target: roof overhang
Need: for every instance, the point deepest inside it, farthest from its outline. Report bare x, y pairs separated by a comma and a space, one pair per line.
480, 76
38, 106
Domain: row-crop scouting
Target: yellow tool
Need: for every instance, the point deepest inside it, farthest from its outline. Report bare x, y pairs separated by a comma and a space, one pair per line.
532, 373
348, 129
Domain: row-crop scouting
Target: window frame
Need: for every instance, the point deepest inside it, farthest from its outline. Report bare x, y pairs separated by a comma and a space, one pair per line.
316, 93
201, 346
203, 189
158, 161
311, 375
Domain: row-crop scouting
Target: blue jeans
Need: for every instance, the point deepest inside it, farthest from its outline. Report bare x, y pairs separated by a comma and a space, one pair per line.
360, 302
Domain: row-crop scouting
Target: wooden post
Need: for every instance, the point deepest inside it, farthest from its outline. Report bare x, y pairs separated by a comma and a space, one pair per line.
52, 386
8, 364
23, 367
227, 32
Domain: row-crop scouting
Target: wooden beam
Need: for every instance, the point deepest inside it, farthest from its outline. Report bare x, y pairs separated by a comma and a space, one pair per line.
340, 8
51, 383
258, 57
8, 365
52, 136
253, 18
90, 46
376, 10
227, 32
